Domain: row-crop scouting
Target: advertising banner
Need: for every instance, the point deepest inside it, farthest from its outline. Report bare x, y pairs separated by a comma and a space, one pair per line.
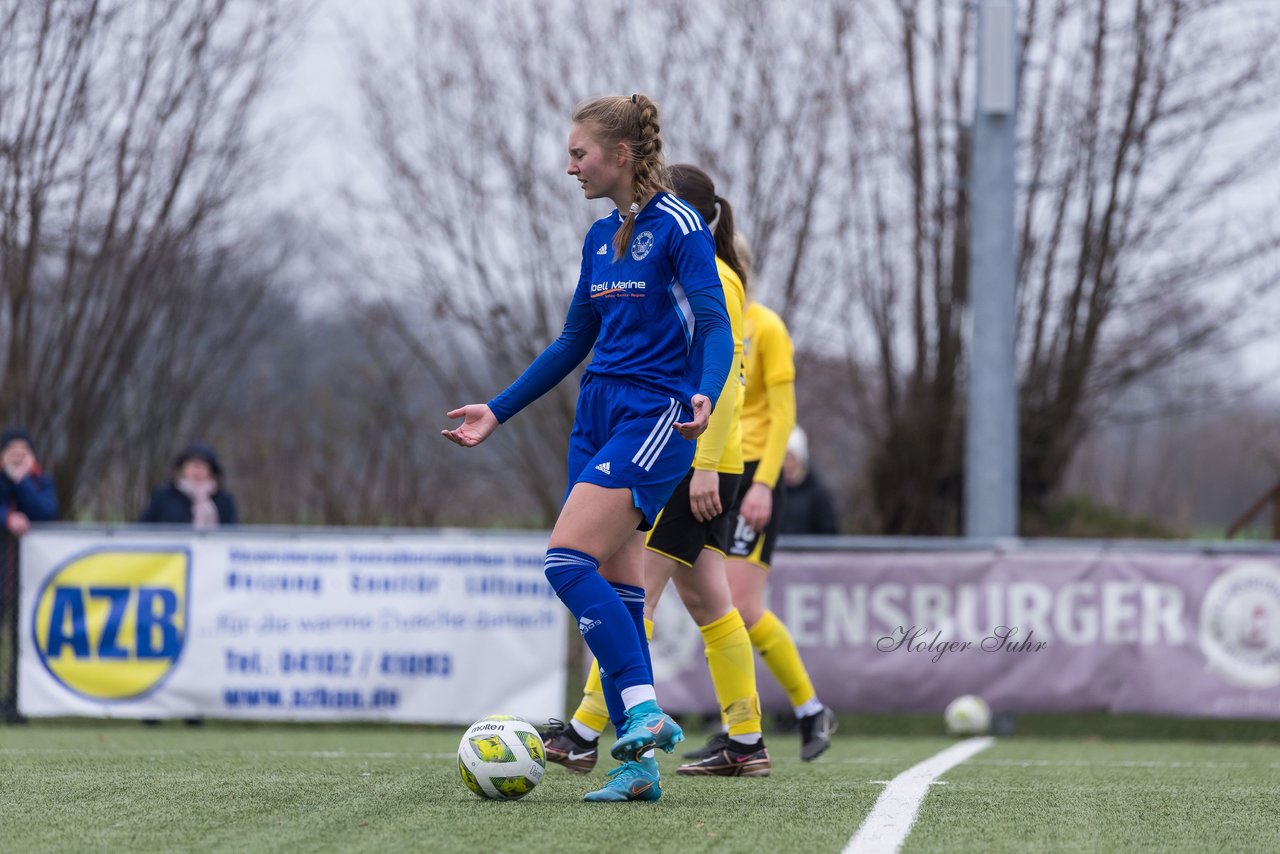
447, 628
1039, 629
321, 626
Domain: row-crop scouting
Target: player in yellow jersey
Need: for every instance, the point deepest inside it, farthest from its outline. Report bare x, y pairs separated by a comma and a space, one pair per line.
689, 543
768, 416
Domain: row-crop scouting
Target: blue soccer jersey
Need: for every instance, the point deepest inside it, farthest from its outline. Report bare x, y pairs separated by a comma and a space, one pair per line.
638, 312
642, 299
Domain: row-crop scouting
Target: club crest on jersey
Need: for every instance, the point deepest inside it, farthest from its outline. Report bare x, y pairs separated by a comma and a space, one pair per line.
642, 245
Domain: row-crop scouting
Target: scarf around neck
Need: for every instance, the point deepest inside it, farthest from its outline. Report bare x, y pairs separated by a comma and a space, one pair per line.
204, 513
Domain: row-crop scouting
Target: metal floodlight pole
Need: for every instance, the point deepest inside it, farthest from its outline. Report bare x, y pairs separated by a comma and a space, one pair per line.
991, 437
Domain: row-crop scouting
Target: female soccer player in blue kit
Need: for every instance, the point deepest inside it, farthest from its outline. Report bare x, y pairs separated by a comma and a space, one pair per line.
649, 301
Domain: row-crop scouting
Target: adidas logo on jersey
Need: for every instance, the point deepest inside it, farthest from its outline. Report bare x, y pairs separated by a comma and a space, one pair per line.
604, 467
603, 250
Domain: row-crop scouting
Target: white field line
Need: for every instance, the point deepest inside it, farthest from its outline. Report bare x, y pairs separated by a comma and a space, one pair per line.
887, 825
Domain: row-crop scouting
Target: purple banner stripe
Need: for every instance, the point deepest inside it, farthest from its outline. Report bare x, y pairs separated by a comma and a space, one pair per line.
1030, 630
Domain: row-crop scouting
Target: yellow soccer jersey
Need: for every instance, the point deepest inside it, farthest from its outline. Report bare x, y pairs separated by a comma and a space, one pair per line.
769, 411
720, 447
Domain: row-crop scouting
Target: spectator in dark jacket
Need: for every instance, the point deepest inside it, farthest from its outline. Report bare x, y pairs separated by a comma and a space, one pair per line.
195, 495
26, 492
808, 508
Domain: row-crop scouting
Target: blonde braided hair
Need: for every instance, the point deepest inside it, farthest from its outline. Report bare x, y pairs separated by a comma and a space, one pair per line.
633, 121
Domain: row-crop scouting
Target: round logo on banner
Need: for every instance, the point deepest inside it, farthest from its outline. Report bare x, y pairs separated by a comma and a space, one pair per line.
111, 624
1240, 625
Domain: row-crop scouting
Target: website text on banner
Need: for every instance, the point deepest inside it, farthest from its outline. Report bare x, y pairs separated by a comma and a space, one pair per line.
408, 628
1189, 633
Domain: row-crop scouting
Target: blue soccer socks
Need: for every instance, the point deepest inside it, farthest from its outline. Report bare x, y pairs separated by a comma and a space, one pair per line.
606, 624
633, 599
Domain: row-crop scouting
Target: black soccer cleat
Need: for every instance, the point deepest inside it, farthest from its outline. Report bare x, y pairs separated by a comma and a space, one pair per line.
714, 745
731, 761
815, 733
565, 747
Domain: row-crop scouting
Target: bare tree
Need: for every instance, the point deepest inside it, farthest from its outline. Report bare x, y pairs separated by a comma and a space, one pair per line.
206, 343
135, 314
124, 143
1125, 245
904, 259
1130, 256
468, 115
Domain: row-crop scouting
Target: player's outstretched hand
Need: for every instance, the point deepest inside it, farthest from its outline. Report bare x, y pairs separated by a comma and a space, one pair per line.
478, 421
701, 415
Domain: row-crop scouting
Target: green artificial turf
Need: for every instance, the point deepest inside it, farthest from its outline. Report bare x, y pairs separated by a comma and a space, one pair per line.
1067, 795
119, 786
114, 786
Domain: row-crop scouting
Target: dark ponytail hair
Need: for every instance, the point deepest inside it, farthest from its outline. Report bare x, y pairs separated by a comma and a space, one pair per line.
696, 187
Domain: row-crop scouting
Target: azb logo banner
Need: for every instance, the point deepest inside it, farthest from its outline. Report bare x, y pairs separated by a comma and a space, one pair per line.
309, 625
109, 625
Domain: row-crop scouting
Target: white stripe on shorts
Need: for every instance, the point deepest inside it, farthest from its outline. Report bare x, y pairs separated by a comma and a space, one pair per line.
657, 438
657, 452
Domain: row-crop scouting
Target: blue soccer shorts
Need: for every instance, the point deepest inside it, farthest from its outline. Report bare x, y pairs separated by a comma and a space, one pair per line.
623, 439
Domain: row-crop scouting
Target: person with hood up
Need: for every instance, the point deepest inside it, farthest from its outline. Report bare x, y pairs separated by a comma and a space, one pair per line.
26, 492
195, 495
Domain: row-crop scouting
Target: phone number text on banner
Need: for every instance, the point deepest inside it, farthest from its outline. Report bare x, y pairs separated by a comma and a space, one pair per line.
411, 628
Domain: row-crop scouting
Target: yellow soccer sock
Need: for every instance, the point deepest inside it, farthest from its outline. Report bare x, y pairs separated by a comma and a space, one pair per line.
733, 673
772, 640
593, 712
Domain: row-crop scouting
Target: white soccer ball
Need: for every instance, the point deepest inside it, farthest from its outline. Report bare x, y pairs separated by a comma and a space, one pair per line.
968, 715
501, 758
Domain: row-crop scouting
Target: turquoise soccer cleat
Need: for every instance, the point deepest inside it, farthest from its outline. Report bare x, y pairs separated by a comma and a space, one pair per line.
630, 781
647, 727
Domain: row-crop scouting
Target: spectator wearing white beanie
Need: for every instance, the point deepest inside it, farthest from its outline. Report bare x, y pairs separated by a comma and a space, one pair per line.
808, 508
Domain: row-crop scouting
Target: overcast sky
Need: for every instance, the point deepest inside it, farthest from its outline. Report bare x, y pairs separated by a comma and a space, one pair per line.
317, 104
